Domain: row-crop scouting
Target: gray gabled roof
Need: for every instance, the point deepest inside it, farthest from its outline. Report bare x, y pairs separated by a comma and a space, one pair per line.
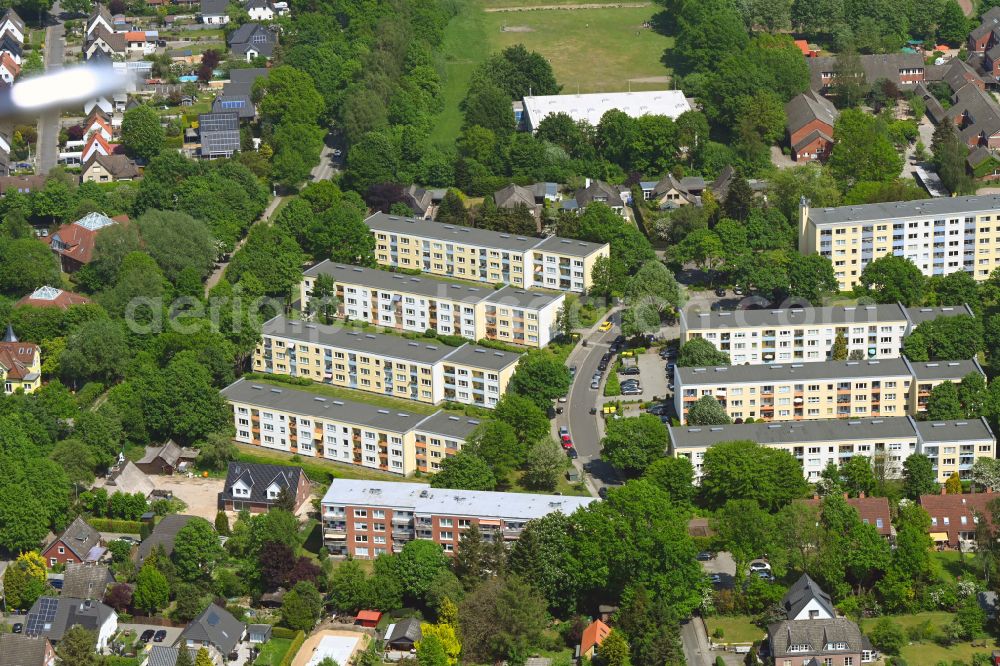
253, 36
163, 535
217, 627
259, 477
512, 195
21, 650
219, 133
80, 537
408, 629
598, 189
807, 107
166, 656
52, 616
936, 370
241, 80
86, 581
242, 105
214, 7
804, 590
814, 633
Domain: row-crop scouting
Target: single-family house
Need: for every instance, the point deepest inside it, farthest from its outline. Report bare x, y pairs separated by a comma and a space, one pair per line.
403, 635
161, 655
820, 641
166, 458
872, 511
811, 118
96, 145
954, 518
102, 168
20, 184
139, 42
257, 487
52, 617
164, 534
214, 628
107, 40
214, 12
100, 17
98, 123
512, 196
805, 600
253, 40
130, 479
808, 50
260, 10
592, 637
237, 93
101, 103
13, 25
987, 33
74, 243
671, 192
51, 297
983, 163
20, 364
10, 45
21, 650
219, 134
421, 201
9, 69
598, 191
86, 581
78, 543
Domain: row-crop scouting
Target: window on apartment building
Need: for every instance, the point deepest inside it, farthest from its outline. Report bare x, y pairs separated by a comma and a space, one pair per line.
361, 513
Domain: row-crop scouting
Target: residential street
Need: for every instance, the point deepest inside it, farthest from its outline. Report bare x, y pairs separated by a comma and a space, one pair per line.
48, 123
695, 643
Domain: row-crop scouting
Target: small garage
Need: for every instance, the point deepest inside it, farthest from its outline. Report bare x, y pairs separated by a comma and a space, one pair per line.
403, 635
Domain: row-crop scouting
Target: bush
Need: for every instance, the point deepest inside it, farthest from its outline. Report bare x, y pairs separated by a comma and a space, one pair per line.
284, 632
613, 386
293, 649
112, 525
887, 636
719, 661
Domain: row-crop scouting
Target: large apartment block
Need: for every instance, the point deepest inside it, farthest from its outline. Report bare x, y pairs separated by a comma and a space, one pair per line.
952, 446
309, 424
940, 236
825, 390
365, 519
484, 256
804, 334
421, 303
390, 365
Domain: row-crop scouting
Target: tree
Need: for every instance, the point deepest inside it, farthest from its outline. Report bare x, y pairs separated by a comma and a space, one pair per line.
501, 619
541, 378
203, 658
699, 352
952, 26
452, 209
850, 86
633, 444
416, 567
25, 265
786, 187
701, 27
464, 471
943, 403
892, 279
184, 657
675, 476
119, 596
945, 339
739, 199
985, 473
77, 647
746, 530
142, 134
863, 151
602, 277
217, 451
858, 476
526, 418
496, 443
287, 95
24, 580
746, 470
703, 247
196, 550
887, 636
707, 411
177, 241
301, 606
918, 476
953, 484
949, 157
810, 277
655, 285
614, 650
430, 652
489, 107
152, 592
544, 465
272, 256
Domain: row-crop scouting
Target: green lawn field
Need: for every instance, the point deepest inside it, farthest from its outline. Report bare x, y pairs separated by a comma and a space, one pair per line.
735, 628
591, 50
927, 653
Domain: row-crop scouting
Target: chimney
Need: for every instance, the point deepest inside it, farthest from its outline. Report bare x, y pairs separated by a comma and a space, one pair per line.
815, 496
861, 495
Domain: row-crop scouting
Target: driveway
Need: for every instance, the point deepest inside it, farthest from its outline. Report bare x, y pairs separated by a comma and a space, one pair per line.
200, 495
173, 633
723, 565
48, 123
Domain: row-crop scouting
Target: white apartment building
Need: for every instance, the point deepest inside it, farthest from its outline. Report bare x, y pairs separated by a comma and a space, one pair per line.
421, 303
805, 334
952, 446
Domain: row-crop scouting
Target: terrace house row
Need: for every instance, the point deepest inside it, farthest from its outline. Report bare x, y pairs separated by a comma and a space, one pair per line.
941, 236
952, 446
484, 256
311, 424
826, 390
807, 334
365, 519
428, 372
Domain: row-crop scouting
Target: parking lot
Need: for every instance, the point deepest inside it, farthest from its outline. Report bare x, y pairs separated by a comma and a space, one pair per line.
723, 565
137, 630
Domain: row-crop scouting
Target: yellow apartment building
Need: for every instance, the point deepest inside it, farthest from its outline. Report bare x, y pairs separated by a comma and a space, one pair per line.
20, 364
355, 433
940, 236
428, 372
420, 303
479, 255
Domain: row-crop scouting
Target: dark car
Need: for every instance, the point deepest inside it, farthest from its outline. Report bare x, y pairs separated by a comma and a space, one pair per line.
602, 492
705, 556
146, 636
159, 636
630, 371
571, 452
620, 340
593, 410
720, 292
17, 628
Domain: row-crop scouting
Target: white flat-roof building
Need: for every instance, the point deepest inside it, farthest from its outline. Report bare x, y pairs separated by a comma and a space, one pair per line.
592, 106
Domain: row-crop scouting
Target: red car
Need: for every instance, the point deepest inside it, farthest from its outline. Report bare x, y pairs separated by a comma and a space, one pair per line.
567, 443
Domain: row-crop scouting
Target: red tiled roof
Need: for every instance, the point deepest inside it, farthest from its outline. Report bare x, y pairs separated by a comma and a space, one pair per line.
955, 508
10, 64
98, 119
135, 36
803, 46
16, 357
63, 301
100, 141
593, 635
369, 615
871, 510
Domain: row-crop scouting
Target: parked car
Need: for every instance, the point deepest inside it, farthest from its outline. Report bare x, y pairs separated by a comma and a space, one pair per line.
563, 430
602, 492
632, 391
720, 291
146, 636
17, 628
571, 452
159, 636
563, 398
765, 575
630, 371
716, 578
759, 565
566, 442
593, 410
572, 372
738, 291
705, 556
595, 384
658, 409
606, 326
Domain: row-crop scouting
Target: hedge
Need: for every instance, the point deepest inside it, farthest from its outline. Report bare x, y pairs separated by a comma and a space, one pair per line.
114, 525
284, 632
293, 649
613, 386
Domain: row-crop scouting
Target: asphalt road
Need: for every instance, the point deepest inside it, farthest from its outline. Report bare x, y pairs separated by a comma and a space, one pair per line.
48, 123
694, 640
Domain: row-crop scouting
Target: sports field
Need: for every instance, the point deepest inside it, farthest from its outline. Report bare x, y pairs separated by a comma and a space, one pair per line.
593, 47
